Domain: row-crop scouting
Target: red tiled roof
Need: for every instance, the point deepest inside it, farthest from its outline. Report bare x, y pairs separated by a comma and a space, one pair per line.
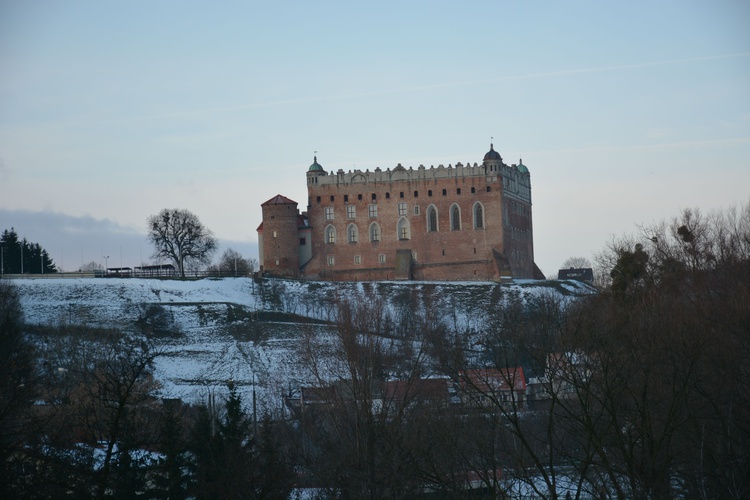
279, 200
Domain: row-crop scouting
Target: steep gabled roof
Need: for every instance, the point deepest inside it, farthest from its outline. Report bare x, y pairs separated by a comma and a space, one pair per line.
279, 200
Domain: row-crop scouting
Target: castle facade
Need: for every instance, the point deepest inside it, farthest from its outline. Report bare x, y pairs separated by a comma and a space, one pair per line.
462, 222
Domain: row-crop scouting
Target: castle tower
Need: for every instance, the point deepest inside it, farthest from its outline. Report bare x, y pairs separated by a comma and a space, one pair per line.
492, 161
278, 237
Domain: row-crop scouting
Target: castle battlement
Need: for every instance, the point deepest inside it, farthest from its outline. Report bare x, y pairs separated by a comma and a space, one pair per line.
516, 180
400, 173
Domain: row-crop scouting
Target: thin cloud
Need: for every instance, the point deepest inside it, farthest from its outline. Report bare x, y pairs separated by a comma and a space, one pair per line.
529, 76
648, 147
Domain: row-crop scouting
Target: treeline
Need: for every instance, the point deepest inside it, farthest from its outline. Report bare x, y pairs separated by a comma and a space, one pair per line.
639, 391
21, 256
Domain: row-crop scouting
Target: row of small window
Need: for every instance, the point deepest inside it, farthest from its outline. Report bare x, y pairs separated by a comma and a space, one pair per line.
358, 259
374, 196
372, 211
351, 214
403, 228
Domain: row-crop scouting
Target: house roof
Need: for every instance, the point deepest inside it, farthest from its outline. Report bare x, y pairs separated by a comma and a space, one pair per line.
309, 395
493, 379
422, 389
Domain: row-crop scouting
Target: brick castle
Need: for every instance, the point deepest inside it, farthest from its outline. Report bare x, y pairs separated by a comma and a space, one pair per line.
459, 222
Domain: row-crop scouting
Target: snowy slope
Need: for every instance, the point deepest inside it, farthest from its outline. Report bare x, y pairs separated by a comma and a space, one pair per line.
226, 329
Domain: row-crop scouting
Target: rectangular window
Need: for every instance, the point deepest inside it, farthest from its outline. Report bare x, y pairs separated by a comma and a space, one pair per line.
331, 197
274, 234
416, 194
351, 212
317, 198
346, 198
373, 210
489, 189
416, 209
401, 194
302, 241
429, 193
473, 190
359, 197
331, 260
329, 213
374, 197
381, 258
445, 192
387, 196
357, 259
414, 256
401, 209
458, 191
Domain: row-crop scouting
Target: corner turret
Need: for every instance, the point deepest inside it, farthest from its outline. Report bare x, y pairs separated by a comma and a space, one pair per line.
314, 171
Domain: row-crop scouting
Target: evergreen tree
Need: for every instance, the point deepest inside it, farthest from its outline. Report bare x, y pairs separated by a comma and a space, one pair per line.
22, 256
230, 462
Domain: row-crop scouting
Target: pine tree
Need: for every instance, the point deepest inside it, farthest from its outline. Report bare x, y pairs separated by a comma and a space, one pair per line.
22, 256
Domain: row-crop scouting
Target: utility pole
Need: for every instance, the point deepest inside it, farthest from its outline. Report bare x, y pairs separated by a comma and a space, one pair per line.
255, 412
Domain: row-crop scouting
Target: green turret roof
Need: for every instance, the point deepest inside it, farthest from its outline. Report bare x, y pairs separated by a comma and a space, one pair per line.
315, 167
522, 168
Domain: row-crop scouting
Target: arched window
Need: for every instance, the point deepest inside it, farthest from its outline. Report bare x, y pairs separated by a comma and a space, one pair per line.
330, 234
455, 218
352, 233
374, 231
432, 219
404, 232
478, 216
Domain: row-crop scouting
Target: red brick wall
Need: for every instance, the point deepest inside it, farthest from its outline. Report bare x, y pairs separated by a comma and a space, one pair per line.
281, 239
445, 254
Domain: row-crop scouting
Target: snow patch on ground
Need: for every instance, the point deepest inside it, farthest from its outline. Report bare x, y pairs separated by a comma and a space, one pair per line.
251, 331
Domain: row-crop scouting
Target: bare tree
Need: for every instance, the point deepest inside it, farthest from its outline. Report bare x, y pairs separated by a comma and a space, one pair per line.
576, 263
178, 235
232, 263
92, 266
362, 431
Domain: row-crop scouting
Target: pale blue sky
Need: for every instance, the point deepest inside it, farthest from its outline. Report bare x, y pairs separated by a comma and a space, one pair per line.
625, 112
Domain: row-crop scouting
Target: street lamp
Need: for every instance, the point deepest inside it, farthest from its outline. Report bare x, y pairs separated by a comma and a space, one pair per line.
106, 265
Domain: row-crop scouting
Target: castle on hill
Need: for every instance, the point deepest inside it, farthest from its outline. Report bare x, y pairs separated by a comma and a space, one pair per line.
462, 222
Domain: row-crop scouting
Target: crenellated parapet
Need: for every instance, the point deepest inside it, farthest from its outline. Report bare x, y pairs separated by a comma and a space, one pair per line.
400, 173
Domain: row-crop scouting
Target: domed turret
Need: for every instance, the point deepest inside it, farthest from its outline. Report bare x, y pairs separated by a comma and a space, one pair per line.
315, 167
521, 167
492, 154
492, 162
315, 171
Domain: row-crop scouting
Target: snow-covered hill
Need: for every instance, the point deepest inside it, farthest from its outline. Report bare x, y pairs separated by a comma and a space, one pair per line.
249, 330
